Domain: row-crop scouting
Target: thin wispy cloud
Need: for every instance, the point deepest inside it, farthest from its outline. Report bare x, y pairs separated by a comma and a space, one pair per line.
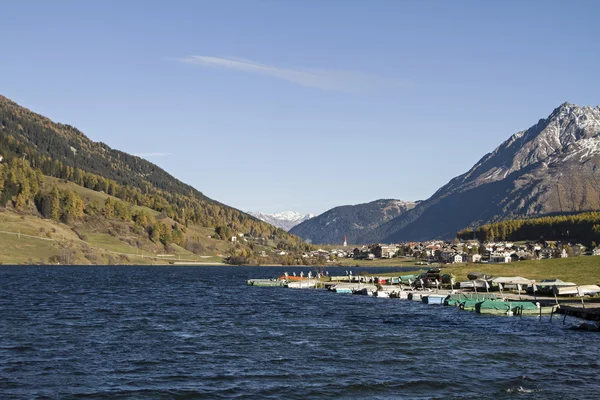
158, 154
325, 79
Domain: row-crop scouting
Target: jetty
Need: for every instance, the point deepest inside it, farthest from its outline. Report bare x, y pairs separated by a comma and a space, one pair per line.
509, 296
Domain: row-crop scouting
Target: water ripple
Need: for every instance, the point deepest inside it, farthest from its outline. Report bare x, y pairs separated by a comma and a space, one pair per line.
187, 333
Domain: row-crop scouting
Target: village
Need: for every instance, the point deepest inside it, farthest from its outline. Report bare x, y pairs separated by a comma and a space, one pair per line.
472, 251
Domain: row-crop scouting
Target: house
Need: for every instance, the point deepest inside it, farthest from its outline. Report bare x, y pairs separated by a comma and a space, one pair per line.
457, 258
500, 258
563, 254
382, 251
545, 253
473, 258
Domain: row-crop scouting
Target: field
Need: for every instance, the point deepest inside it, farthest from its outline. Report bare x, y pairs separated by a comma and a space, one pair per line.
27, 239
383, 262
581, 270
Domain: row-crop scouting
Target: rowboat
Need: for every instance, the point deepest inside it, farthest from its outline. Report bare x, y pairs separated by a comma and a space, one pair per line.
365, 289
494, 307
457, 298
434, 299
266, 282
386, 291
401, 294
580, 290
303, 284
416, 296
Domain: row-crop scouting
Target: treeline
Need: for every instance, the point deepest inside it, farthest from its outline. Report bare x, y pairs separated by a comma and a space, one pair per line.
63, 152
66, 143
584, 227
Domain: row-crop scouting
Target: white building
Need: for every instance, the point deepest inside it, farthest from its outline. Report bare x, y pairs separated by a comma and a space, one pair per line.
473, 258
500, 258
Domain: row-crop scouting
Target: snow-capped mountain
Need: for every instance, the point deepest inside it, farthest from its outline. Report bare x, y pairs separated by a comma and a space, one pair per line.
551, 168
285, 220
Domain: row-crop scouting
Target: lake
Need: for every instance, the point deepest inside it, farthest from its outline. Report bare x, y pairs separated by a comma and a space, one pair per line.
201, 332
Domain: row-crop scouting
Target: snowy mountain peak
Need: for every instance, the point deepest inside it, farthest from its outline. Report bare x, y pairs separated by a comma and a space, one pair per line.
569, 133
285, 220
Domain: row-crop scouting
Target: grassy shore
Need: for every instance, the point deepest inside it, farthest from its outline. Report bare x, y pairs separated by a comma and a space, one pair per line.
28, 239
580, 270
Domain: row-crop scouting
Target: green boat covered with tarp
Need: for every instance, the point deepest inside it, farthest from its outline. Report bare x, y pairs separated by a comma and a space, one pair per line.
458, 298
496, 307
469, 305
408, 278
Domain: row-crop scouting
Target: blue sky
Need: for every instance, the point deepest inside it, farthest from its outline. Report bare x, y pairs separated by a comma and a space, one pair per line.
302, 105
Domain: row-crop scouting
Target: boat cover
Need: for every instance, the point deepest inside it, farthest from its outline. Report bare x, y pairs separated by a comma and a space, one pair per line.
505, 305
513, 280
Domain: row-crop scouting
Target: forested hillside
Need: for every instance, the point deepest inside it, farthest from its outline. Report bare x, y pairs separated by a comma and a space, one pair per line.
584, 228
32, 147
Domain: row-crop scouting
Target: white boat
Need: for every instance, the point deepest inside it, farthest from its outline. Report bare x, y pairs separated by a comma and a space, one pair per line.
580, 290
386, 291
401, 294
417, 296
303, 284
344, 287
474, 284
365, 289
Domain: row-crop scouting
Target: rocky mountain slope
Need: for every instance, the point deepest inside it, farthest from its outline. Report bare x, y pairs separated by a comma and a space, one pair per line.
549, 168
350, 221
285, 220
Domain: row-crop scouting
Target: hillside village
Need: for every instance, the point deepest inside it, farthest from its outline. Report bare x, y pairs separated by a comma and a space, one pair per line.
472, 251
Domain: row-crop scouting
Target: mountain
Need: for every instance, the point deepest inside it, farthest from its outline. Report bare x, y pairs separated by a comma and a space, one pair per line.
550, 168
351, 221
285, 220
53, 172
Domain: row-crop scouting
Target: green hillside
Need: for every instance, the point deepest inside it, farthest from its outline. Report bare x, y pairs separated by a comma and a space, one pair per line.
582, 227
101, 203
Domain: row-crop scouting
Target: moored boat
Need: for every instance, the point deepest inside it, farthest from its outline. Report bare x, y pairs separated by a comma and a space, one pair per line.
365, 289
580, 290
434, 299
303, 284
266, 282
417, 296
386, 290
456, 299
495, 307
401, 294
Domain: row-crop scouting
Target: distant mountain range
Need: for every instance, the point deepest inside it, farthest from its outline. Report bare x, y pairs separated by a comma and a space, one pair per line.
350, 221
285, 220
550, 168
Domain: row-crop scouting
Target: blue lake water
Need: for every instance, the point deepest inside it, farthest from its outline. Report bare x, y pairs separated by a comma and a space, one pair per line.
201, 332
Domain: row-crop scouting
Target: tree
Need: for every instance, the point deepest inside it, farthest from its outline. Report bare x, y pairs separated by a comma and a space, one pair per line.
109, 208
51, 204
178, 237
73, 206
2, 179
161, 233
